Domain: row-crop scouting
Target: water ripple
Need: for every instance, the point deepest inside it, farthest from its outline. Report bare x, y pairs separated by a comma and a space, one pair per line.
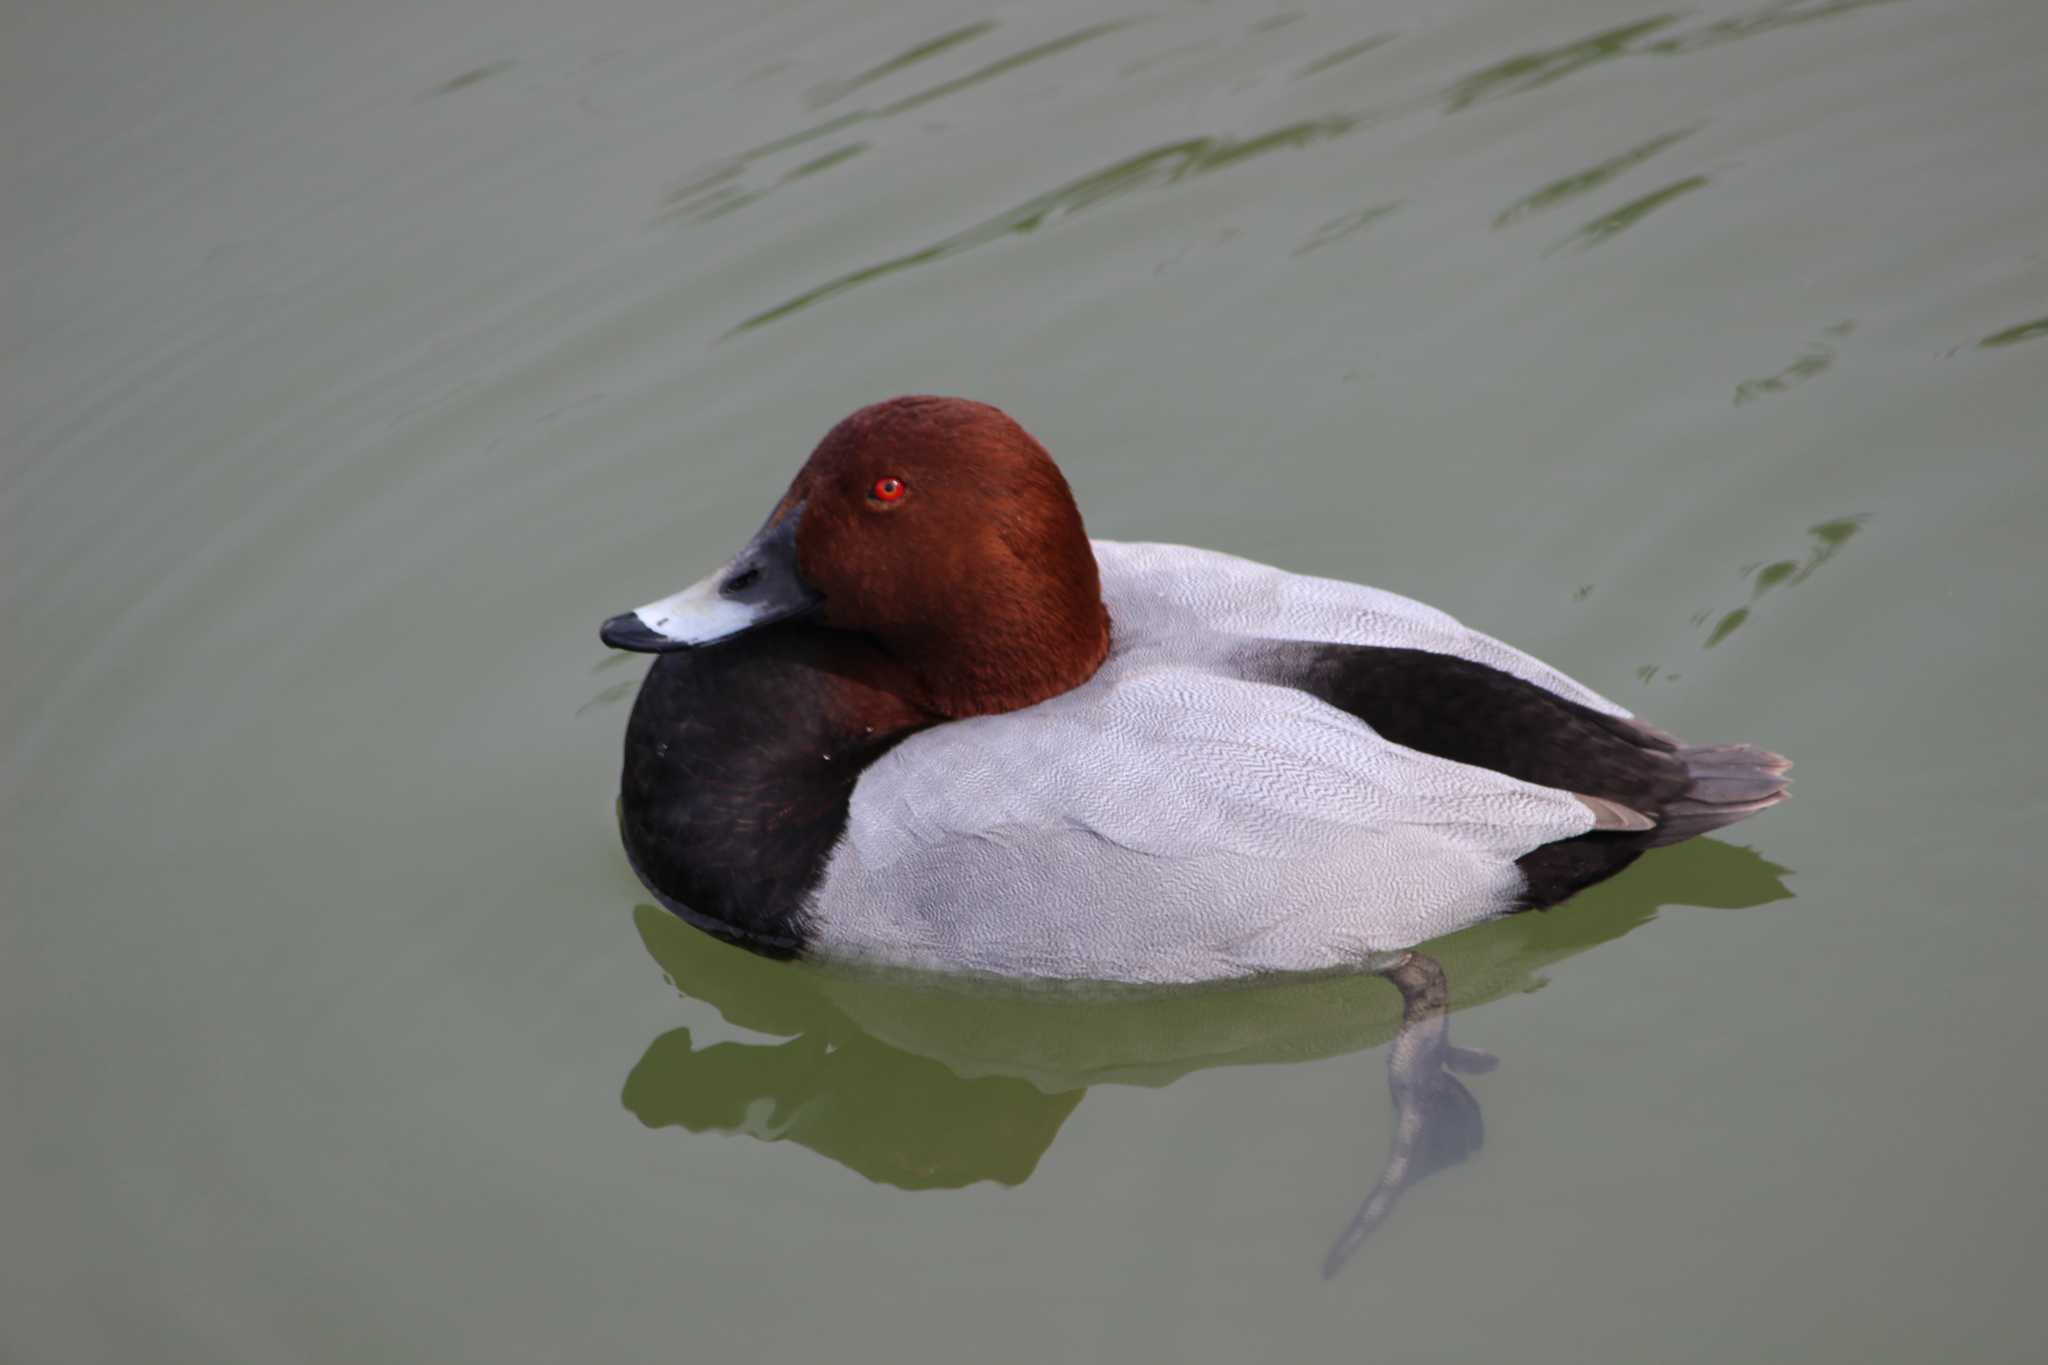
1592, 178
1827, 538
712, 194
1345, 54
1612, 224
828, 92
1164, 165
686, 199
1816, 360
2013, 336
716, 196
1344, 225
1532, 70
1764, 19
469, 78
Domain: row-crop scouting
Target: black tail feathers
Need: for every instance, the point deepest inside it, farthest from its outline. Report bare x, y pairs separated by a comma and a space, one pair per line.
1730, 782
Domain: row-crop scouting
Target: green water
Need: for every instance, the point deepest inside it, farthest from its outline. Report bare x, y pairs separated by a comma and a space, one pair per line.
359, 360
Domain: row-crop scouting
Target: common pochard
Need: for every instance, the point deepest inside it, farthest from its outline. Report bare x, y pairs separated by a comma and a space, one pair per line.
922, 720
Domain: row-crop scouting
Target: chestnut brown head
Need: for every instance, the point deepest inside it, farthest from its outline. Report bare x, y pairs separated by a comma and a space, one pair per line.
936, 528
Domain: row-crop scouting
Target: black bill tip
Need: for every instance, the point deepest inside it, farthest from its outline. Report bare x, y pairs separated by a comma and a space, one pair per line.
628, 631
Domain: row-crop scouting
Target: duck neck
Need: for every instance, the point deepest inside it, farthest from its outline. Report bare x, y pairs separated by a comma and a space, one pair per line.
1001, 661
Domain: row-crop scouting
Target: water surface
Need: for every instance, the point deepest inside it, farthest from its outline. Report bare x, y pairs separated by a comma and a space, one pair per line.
359, 361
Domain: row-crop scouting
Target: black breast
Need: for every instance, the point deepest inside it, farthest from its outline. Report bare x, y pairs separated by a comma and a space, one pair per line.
736, 784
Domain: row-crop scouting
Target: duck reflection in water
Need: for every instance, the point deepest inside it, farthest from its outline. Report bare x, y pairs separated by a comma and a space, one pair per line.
935, 1085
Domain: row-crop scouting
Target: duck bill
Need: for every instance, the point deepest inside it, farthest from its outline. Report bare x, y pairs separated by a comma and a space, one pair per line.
761, 584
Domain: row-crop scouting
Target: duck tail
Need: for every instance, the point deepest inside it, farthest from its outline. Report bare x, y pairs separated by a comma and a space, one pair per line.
1730, 782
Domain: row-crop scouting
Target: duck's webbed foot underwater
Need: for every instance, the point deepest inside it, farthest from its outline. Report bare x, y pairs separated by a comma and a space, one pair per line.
1436, 1119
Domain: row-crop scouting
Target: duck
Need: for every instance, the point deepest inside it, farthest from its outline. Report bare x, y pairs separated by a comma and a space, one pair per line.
923, 721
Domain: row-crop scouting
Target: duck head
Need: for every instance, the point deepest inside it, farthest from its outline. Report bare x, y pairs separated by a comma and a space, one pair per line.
935, 530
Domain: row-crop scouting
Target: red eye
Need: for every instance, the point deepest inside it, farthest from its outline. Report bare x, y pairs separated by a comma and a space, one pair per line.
888, 488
